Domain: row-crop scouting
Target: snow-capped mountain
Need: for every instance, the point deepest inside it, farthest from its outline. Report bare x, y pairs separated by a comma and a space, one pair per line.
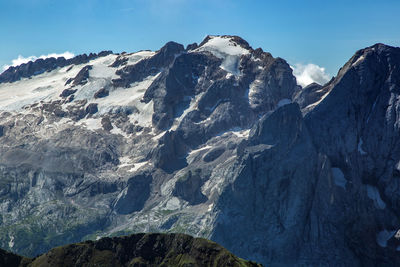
214, 140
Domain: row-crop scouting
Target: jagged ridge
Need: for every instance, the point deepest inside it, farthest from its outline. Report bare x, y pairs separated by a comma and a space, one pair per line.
206, 140
39, 66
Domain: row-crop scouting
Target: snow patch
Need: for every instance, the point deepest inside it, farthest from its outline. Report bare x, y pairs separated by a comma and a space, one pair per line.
91, 123
241, 133
372, 109
126, 161
284, 102
338, 177
231, 65
117, 131
192, 106
173, 204
44, 87
130, 98
251, 93
358, 61
210, 207
157, 136
223, 45
360, 150
138, 165
138, 56
11, 242
216, 183
100, 76
373, 193
317, 102
195, 151
100, 68
397, 235
49, 85
383, 237
227, 50
53, 127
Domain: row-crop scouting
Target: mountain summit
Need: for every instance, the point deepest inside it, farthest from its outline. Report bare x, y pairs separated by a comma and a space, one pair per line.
214, 140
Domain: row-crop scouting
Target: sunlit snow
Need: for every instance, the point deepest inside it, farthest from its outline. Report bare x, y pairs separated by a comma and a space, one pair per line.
358, 61
383, 237
283, 102
226, 49
360, 149
373, 193
338, 177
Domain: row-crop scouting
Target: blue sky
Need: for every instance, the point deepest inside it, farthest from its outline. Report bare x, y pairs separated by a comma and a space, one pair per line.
323, 32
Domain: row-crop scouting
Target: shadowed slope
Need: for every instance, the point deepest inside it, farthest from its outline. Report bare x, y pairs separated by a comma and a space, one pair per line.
134, 250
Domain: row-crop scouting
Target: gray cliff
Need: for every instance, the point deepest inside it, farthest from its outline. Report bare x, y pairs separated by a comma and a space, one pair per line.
214, 140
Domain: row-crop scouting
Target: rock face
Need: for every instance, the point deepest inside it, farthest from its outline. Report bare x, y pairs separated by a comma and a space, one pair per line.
188, 187
135, 250
308, 95
359, 133
216, 140
272, 185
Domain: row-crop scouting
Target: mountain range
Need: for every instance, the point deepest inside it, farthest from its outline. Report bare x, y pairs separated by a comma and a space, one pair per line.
215, 140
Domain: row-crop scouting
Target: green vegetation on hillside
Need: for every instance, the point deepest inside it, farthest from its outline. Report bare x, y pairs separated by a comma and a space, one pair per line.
134, 250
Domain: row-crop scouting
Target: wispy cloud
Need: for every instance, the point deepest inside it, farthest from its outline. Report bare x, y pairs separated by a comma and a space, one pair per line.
21, 59
309, 73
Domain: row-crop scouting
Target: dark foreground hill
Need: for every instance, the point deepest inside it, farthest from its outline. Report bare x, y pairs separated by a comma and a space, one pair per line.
134, 250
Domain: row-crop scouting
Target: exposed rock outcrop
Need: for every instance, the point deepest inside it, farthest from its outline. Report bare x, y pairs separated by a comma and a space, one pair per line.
135, 250
216, 140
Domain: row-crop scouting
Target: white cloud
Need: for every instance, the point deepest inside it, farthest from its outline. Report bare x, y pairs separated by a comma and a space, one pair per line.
309, 73
21, 60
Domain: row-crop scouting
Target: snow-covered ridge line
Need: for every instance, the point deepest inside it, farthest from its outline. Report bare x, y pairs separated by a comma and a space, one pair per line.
223, 45
45, 64
21, 59
47, 86
227, 49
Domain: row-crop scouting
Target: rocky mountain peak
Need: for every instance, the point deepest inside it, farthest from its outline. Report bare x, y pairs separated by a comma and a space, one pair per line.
225, 46
132, 131
231, 40
367, 70
216, 140
374, 56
